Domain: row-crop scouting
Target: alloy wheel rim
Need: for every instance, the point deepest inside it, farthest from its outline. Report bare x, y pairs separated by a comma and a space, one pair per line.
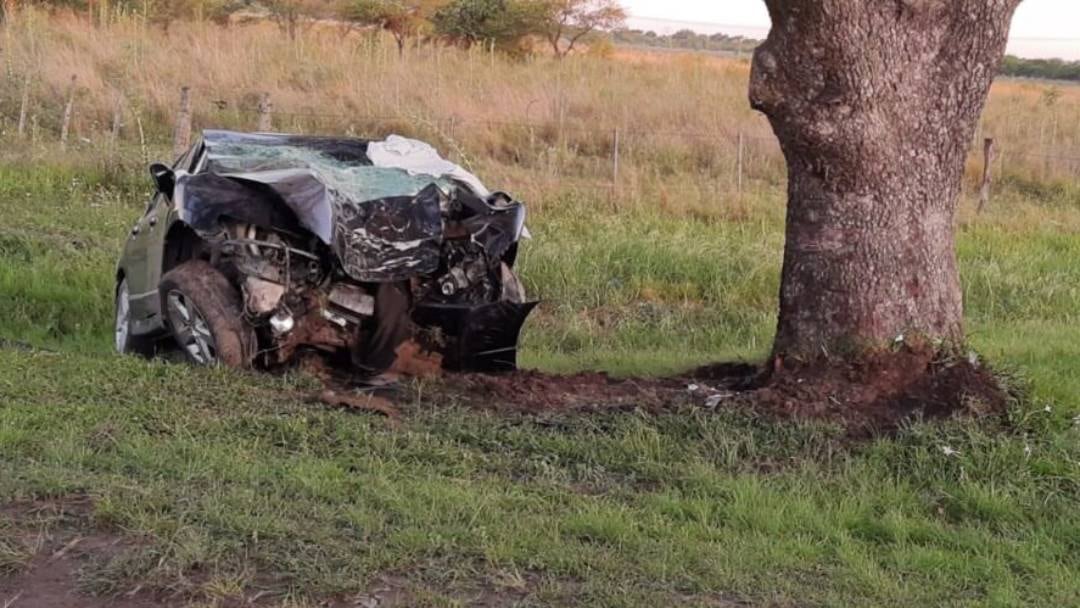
192, 330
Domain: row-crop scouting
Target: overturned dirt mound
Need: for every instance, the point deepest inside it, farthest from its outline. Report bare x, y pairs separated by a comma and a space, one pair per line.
872, 395
532, 391
878, 392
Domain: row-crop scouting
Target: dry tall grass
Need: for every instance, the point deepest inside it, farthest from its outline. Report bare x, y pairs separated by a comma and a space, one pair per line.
679, 116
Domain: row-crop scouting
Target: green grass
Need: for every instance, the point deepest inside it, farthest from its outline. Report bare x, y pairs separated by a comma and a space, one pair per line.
235, 481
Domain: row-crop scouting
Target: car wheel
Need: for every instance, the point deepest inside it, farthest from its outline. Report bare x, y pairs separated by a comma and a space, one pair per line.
204, 313
125, 341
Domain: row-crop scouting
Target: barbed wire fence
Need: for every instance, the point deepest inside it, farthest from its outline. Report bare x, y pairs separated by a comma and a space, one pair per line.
575, 155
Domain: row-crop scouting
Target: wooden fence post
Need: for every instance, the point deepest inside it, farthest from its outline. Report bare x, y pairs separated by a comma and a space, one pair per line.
739, 165
265, 123
65, 126
118, 118
987, 177
24, 106
182, 134
615, 160
452, 127
142, 139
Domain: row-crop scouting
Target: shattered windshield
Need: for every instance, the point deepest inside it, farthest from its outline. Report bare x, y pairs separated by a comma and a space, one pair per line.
352, 179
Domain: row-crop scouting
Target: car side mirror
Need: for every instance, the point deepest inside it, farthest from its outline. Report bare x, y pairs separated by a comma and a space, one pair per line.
164, 179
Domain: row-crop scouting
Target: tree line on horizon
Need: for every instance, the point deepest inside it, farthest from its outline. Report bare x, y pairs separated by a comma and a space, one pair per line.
512, 26
1043, 69
687, 39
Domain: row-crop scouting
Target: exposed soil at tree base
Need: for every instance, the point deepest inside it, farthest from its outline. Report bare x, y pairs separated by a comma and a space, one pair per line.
879, 392
875, 394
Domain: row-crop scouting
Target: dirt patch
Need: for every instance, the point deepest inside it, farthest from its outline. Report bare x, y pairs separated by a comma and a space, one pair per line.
878, 392
532, 391
48, 512
728, 376
873, 395
58, 544
495, 589
52, 577
401, 591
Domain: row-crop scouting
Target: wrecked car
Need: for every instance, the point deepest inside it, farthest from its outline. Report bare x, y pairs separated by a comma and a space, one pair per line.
257, 247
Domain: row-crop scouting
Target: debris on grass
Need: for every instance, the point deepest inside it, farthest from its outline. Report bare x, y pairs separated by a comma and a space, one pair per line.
361, 402
411, 359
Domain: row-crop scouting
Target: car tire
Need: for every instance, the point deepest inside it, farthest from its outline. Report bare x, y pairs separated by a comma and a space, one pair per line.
126, 342
204, 313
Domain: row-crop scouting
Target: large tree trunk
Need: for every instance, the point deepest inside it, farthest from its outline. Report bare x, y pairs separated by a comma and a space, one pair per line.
874, 103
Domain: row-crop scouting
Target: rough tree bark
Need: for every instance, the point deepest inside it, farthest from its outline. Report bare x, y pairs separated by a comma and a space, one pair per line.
874, 103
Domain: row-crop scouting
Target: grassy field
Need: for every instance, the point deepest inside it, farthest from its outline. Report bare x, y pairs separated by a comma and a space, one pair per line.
223, 486
231, 484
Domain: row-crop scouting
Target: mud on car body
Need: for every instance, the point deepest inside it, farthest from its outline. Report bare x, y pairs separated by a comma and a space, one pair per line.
257, 246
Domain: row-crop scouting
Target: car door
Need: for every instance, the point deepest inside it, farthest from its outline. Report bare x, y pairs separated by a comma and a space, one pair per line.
137, 263
144, 254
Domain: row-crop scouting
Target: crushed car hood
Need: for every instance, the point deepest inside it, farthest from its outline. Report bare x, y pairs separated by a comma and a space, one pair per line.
379, 205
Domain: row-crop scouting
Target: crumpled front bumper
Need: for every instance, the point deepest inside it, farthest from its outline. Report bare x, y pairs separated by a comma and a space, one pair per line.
476, 338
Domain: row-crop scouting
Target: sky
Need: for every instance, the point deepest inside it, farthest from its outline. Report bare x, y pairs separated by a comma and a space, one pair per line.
1042, 28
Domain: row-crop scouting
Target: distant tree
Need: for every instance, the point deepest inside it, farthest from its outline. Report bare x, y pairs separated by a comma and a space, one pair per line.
602, 47
164, 13
505, 23
685, 39
404, 19
289, 14
568, 21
